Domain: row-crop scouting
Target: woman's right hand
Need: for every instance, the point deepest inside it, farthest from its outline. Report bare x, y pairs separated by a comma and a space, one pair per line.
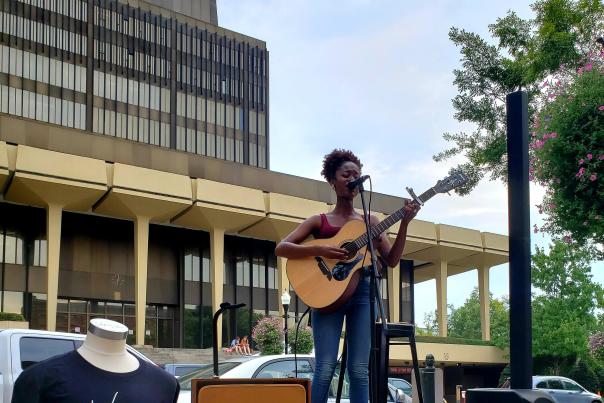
330, 252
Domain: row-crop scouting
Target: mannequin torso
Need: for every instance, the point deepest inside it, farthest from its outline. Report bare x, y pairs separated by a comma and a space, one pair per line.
101, 370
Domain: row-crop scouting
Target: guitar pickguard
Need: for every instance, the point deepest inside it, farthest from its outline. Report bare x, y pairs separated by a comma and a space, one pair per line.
341, 270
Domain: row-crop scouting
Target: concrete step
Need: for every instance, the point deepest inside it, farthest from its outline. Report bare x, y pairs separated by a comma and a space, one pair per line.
180, 355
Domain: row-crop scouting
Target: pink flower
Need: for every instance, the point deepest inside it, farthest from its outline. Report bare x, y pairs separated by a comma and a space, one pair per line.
601, 108
535, 228
593, 177
567, 239
601, 157
581, 161
553, 135
588, 67
580, 71
589, 156
580, 173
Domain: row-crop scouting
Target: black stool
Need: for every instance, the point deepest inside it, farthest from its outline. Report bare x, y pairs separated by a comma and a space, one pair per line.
384, 340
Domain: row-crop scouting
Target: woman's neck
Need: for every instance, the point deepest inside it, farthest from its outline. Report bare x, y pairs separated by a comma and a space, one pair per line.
344, 208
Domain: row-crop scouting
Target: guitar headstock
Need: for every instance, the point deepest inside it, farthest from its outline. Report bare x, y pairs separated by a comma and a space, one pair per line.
455, 180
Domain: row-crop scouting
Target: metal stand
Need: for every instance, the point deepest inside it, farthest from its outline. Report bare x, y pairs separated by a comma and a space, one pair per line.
386, 335
521, 364
374, 296
223, 307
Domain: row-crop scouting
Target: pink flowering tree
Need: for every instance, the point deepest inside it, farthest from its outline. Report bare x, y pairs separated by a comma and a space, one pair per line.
555, 57
567, 152
596, 345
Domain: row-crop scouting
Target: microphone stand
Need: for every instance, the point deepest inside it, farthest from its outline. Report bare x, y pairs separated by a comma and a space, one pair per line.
374, 295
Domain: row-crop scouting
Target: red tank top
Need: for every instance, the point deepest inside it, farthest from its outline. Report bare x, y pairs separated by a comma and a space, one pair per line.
326, 230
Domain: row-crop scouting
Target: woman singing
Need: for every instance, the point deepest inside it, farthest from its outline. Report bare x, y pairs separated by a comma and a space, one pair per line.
339, 168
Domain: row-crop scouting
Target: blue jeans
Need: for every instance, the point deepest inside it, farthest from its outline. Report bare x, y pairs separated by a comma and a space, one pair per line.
327, 329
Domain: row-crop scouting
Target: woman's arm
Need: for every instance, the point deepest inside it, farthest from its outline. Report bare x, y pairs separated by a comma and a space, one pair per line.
392, 253
290, 246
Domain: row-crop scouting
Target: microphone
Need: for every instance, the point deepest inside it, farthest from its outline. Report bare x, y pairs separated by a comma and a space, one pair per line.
353, 184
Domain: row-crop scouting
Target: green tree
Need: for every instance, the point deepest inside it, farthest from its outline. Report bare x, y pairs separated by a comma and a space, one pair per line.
527, 51
565, 304
431, 326
465, 321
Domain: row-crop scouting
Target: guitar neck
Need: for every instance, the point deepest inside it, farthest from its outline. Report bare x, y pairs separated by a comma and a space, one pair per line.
376, 230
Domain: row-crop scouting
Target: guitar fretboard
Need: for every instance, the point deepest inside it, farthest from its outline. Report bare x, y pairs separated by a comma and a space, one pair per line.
388, 222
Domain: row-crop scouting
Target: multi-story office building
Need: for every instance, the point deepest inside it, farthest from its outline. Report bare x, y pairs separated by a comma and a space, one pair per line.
135, 71
134, 181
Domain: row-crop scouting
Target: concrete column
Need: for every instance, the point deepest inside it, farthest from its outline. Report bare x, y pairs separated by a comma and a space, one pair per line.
283, 283
53, 234
217, 274
394, 293
141, 255
441, 297
484, 293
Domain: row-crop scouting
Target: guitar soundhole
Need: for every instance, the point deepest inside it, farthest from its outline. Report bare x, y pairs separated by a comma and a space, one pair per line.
351, 250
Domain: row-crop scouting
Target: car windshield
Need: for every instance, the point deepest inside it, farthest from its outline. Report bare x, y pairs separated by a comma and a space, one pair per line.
205, 373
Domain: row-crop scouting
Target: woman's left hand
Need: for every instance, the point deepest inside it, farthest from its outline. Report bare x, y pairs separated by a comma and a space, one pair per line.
411, 209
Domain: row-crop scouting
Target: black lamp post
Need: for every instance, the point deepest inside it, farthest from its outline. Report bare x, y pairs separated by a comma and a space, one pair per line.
285, 300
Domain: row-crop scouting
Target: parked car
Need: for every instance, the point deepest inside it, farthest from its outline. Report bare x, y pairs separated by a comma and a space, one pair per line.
274, 366
402, 385
564, 390
179, 370
22, 348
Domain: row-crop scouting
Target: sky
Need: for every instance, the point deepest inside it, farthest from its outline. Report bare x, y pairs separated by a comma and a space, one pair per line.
376, 77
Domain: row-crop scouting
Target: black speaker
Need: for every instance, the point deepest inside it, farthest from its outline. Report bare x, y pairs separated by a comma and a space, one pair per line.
507, 396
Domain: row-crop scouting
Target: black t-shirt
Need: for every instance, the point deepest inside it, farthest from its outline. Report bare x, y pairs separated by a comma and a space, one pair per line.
69, 378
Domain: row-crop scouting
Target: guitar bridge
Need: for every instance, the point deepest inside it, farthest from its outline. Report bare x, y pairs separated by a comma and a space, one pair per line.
323, 267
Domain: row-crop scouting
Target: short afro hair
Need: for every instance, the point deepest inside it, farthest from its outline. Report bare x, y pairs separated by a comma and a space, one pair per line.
335, 159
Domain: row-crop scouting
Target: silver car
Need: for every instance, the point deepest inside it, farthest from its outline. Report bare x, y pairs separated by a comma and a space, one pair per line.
564, 390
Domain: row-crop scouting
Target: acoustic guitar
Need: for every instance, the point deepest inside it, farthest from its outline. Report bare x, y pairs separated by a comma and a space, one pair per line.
326, 284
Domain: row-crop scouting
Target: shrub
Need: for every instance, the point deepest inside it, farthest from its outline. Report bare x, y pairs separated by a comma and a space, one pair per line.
305, 340
268, 335
17, 317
